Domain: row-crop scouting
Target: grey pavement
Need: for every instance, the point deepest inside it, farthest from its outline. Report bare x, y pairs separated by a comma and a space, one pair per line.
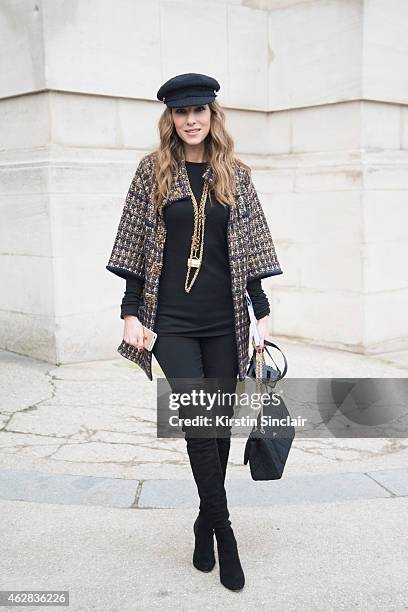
93, 502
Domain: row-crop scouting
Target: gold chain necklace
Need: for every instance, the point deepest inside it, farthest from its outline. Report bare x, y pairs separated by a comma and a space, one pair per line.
196, 251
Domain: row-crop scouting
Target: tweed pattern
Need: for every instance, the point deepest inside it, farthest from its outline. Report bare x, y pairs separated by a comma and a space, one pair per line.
141, 235
128, 255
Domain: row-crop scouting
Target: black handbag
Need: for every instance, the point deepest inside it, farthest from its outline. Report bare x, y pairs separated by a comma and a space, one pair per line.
268, 445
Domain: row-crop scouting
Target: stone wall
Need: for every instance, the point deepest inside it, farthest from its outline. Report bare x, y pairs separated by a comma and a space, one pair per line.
316, 99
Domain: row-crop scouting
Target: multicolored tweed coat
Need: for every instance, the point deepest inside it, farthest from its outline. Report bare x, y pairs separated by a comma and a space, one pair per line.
141, 235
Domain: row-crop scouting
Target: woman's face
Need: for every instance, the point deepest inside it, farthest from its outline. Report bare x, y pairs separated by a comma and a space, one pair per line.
192, 123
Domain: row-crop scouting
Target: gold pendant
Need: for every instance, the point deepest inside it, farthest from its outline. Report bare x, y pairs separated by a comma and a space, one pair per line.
193, 262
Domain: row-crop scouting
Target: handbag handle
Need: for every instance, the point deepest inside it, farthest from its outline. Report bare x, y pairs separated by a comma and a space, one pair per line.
254, 332
285, 366
260, 359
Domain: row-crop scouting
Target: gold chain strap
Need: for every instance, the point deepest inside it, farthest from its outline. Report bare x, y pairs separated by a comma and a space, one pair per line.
195, 259
260, 362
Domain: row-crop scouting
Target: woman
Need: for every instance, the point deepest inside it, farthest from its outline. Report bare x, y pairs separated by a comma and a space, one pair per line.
192, 238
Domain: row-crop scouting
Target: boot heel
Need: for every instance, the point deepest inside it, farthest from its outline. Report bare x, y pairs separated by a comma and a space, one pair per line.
203, 556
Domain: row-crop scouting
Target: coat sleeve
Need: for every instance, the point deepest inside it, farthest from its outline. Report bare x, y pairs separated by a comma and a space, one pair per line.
128, 255
262, 259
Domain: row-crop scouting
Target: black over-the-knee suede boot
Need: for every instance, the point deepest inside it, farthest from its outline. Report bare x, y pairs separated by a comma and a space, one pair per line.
203, 556
207, 472
206, 467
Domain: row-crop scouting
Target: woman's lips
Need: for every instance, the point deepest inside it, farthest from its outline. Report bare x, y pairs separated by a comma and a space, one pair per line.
192, 132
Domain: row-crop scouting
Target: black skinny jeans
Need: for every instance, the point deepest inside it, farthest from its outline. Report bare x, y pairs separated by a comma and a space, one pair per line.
208, 363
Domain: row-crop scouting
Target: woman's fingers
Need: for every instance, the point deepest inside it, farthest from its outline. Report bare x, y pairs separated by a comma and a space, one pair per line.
140, 339
260, 346
134, 334
136, 341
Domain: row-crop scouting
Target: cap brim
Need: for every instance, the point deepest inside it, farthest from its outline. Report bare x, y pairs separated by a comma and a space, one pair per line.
192, 101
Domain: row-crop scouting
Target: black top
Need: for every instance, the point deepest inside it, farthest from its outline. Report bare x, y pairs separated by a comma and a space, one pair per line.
208, 308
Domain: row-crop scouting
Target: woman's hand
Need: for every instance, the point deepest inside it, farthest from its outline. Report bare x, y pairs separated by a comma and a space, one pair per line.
262, 327
133, 332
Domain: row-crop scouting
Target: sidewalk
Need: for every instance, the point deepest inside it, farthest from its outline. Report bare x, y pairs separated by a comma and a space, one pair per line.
93, 502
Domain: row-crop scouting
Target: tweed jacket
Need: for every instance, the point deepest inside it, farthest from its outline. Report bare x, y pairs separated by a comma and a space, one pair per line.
138, 249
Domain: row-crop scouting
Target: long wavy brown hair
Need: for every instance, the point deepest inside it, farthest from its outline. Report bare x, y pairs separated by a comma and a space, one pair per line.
219, 152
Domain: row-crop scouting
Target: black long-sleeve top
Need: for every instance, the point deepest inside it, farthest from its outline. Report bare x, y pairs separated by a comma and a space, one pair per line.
134, 287
208, 308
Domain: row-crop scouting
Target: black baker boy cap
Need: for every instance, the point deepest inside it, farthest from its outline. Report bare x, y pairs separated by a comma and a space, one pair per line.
188, 89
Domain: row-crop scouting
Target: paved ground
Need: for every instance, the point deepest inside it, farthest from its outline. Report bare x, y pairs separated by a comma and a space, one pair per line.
93, 502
